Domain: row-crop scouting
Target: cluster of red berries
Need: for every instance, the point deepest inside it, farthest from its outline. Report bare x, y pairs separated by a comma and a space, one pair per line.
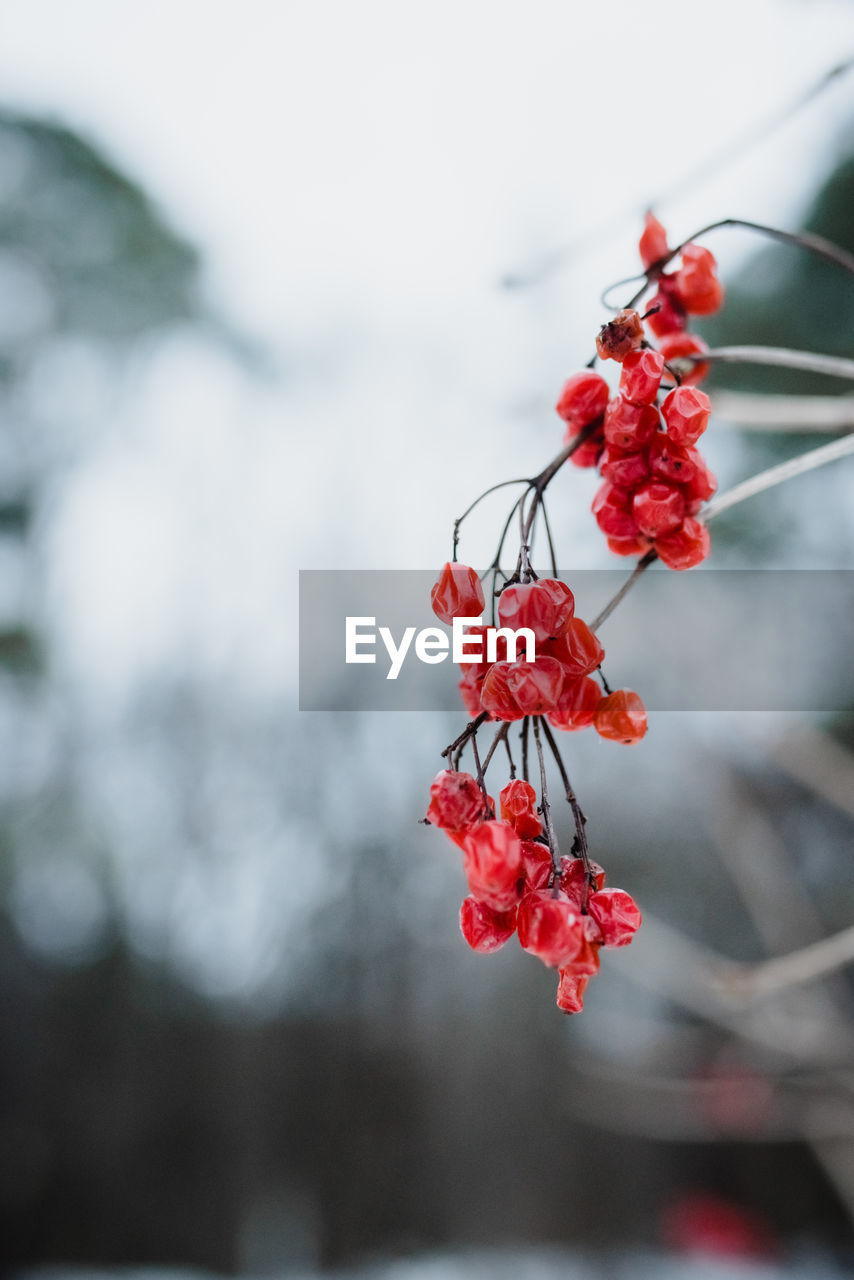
655, 480
557, 684
561, 913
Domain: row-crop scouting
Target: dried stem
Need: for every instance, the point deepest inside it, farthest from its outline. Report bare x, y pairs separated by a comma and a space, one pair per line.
545, 807
577, 815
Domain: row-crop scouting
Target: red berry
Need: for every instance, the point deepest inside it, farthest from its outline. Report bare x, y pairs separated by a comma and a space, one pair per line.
653, 241
658, 507
578, 649
456, 801
628, 546
626, 470
576, 706
476, 644
457, 594
583, 398
573, 876
616, 914
701, 486
536, 864
621, 717
588, 452
671, 461
492, 861
486, 930
496, 695
641, 376
551, 928
620, 336
470, 689
677, 345
612, 509
686, 547
518, 807
545, 606
570, 991
686, 412
668, 316
629, 426
696, 282
535, 686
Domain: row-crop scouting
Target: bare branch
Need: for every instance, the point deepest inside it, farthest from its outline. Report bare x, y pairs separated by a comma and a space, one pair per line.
779, 357
746, 409
777, 475
747, 984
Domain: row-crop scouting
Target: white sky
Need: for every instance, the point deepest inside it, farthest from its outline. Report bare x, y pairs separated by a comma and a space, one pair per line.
358, 176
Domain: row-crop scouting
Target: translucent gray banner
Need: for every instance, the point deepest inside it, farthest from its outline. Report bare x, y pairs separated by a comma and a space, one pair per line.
706, 640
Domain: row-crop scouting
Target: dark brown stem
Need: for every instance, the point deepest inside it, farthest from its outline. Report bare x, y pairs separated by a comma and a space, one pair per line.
577, 815
501, 736
523, 734
470, 729
544, 804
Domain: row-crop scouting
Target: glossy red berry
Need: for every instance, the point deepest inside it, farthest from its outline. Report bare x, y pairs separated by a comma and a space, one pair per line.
658, 507
628, 546
573, 877
457, 594
578, 649
570, 991
696, 283
519, 807
625, 470
621, 717
671, 461
653, 241
492, 861
486, 930
545, 606
551, 928
456, 801
641, 376
686, 413
535, 686
612, 508
496, 696
629, 426
576, 706
583, 398
616, 914
675, 346
701, 486
686, 547
536, 864
620, 336
667, 316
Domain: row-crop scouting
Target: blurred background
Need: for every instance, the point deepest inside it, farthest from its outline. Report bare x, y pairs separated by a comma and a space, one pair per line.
255, 317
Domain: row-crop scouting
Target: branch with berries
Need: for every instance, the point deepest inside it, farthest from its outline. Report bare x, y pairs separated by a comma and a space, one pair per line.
655, 502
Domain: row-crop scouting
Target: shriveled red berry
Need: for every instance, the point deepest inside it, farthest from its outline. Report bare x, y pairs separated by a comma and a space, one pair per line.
496, 696
671, 461
535, 686
653, 241
686, 413
576, 706
470, 688
536, 864
545, 606
578, 649
492, 862
619, 336
612, 508
658, 507
583, 398
588, 452
628, 546
675, 346
621, 717
641, 376
570, 991
553, 929
457, 594
625, 470
616, 914
696, 283
667, 315
629, 426
486, 930
519, 807
456, 801
701, 486
686, 547
573, 876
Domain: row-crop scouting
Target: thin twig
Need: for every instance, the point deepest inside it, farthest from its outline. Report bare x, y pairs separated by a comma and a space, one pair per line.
500, 736
780, 358
523, 734
544, 804
577, 816
769, 479
471, 728
760, 412
747, 983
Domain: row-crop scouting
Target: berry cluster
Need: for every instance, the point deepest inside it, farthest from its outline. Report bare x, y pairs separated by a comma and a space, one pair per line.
557, 684
559, 908
655, 480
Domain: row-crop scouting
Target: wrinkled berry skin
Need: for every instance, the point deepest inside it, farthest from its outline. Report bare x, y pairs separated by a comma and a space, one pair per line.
619, 336
486, 930
492, 861
570, 991
456, 801
457, 594
686, 547
583, 399
621, 717
545, 607
686, 412
518, 802
616, 914
552, 929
